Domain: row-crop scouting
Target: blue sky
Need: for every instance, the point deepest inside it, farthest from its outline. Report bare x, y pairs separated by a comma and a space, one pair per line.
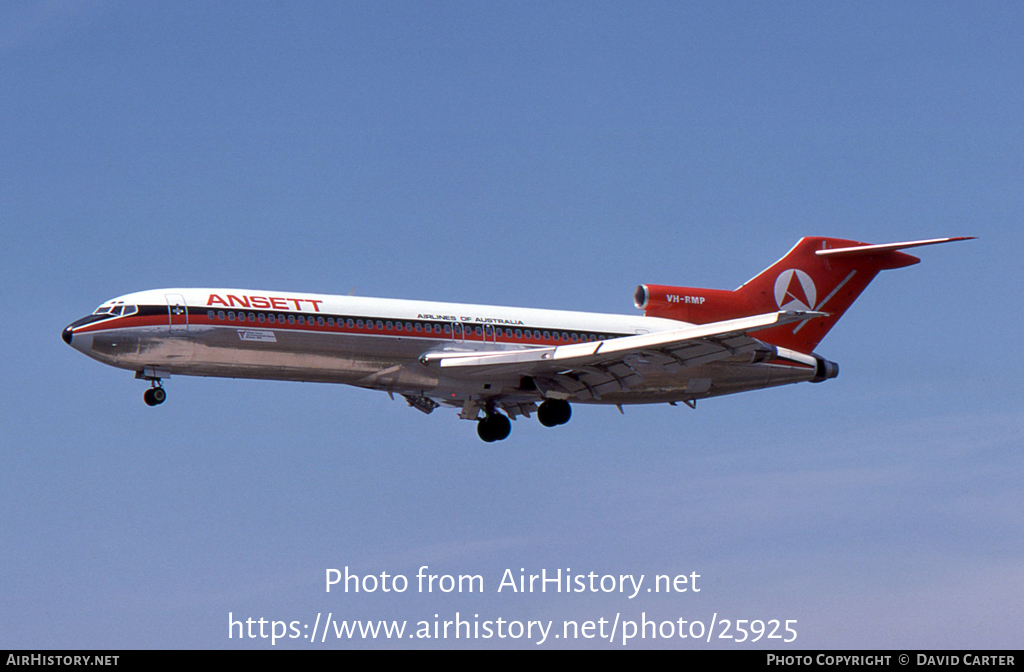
540, 154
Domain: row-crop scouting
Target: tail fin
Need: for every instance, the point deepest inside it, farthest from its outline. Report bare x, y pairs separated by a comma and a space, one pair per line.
821, 274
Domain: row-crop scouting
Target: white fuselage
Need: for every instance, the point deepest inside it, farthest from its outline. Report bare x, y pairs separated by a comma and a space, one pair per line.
373, 343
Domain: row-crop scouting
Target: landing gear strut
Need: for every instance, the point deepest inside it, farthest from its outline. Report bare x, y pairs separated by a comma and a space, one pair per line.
554, 412
494, 427
155, 395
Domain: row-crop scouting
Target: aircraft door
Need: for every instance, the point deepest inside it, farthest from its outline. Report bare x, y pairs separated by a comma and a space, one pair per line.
177, 313
489, 336
458, 333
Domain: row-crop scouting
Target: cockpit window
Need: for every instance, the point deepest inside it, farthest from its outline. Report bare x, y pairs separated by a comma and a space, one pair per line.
116, 309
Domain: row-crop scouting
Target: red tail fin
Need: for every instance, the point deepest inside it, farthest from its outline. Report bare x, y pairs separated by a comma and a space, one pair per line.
823, 274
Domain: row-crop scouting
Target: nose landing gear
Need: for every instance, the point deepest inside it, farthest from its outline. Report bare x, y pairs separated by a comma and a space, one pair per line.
155, 395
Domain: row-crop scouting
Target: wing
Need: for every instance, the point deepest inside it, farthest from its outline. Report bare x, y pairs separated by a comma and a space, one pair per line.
586, 370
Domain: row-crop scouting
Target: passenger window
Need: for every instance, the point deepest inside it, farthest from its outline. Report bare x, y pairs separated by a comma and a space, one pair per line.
231, 315
220, 315
211, 315
380, 325
320, 321
349, 323
291, 319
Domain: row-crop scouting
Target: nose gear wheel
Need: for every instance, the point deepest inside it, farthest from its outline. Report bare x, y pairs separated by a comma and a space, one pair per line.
155, 395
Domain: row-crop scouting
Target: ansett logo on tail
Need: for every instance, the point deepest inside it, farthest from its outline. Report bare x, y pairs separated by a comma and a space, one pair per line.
794, 290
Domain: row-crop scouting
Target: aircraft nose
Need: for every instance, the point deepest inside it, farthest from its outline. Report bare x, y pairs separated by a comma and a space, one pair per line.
73, 336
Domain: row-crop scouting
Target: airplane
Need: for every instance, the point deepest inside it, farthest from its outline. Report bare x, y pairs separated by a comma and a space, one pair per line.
496, 363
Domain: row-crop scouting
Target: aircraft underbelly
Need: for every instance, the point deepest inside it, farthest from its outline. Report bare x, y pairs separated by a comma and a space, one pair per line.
392, 363
269, 354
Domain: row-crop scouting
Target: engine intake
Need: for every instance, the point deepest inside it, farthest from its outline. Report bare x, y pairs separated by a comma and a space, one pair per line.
640, 297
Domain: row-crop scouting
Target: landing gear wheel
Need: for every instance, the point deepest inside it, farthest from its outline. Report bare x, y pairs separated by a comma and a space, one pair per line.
494, 427
154, 396
554, 412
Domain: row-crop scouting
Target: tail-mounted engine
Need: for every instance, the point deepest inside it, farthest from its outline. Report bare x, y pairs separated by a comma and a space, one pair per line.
824, 369
691, 304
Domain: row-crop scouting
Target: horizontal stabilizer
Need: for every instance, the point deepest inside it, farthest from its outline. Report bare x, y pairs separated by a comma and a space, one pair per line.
887, 247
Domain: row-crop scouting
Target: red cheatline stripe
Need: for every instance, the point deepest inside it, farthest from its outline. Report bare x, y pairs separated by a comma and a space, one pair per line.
132, 321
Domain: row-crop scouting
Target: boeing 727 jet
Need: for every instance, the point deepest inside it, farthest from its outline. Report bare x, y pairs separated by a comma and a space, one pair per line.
495, 363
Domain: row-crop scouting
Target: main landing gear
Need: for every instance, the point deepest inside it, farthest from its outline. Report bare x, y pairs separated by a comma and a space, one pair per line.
496, 427
155, 395
554, 412
493, 427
